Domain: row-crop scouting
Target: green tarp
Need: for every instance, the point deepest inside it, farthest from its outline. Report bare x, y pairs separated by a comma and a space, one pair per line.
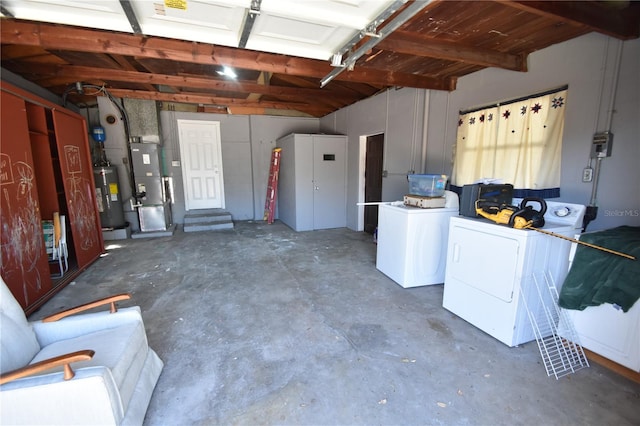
597, 277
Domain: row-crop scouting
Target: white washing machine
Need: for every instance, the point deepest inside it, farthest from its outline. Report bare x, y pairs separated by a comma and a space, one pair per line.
412, 242
607, 330
610, 332
489, 265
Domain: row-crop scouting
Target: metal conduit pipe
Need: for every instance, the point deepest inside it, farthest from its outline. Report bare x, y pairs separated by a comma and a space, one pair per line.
372, 25
402, 17
592, 209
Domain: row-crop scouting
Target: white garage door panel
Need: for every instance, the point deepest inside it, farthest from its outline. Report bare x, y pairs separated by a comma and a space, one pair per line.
310, 28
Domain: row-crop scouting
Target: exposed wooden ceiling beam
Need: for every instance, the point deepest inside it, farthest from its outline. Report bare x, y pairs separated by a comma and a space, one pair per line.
125, 65
263, 80
194, 82
393, 78
203, 98
352, 89
51, 36
346, 93
602, 17
411, 44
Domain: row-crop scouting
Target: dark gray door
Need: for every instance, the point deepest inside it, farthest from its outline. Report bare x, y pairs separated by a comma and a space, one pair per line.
373, 180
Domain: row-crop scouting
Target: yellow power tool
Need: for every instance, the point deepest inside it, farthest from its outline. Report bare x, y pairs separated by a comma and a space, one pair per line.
525, 217
518, 217
503, 215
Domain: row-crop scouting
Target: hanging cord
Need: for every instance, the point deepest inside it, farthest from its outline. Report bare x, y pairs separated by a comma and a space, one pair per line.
79, 88
425, 130
444, 142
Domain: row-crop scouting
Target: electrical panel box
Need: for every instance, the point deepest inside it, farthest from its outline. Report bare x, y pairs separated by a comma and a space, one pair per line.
601, 146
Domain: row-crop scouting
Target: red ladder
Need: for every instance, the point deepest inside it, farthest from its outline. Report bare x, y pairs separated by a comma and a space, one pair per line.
272, 186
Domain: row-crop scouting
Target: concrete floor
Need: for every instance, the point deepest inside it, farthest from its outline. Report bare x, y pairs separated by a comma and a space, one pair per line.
263, 325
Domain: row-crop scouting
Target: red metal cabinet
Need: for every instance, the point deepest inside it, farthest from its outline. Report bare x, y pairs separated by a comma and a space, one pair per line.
46, 168
25, 268
79, 187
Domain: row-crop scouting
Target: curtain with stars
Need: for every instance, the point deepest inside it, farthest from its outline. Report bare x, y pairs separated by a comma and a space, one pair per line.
519, 142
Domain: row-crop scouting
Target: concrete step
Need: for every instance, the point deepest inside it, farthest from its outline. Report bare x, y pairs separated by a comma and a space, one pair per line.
207, 220
208, 226
212, 215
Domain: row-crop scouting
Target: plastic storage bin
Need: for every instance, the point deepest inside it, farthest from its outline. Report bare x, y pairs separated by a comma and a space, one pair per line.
427, 185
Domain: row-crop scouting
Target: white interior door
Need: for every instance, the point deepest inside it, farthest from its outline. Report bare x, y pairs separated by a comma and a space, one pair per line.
201, 153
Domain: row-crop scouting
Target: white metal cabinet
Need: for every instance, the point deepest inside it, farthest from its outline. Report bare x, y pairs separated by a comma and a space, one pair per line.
312, 181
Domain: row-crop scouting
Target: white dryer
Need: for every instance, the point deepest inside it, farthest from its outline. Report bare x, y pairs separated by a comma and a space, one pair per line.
489, 265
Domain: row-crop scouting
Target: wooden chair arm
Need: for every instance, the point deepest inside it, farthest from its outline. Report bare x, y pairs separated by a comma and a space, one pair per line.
39, 367
111, 299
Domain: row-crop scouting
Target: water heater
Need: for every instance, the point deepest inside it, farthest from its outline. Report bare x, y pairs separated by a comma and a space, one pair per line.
109, 197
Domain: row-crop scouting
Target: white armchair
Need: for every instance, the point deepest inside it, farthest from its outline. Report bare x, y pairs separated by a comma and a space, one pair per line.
94, 368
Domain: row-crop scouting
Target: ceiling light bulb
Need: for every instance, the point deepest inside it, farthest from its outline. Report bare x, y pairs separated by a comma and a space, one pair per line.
228, 72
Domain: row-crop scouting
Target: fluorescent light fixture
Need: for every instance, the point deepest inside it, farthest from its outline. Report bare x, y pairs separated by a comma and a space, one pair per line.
228, 72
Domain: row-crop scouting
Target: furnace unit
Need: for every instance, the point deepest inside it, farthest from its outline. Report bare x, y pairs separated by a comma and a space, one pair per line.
154, 210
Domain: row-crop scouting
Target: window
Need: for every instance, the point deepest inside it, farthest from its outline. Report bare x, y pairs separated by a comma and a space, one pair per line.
519, 142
